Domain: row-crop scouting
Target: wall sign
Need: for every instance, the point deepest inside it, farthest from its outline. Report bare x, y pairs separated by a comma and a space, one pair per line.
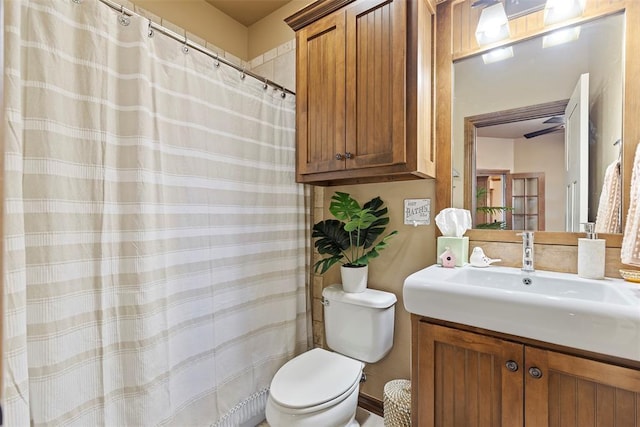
417, 212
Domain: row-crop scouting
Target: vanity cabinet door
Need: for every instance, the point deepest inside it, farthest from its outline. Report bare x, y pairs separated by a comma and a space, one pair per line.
467, 379
570, 391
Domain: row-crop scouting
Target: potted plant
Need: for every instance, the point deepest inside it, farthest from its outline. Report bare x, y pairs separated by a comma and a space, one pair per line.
487, 211
350, 238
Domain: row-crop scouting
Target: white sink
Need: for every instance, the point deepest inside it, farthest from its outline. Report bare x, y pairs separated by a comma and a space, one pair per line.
602, 316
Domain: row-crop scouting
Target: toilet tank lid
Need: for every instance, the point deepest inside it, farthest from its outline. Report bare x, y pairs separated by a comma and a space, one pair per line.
369, 298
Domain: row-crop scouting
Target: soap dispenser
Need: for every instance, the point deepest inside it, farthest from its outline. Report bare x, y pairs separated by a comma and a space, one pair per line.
591, 254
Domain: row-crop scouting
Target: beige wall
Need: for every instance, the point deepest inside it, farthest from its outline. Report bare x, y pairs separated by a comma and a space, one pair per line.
545, 154
541, 154
203, 20
272, 31
494, 153
411, 250
209, 23
272, 42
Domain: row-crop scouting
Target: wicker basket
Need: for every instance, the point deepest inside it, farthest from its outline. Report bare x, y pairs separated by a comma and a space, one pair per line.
397, 403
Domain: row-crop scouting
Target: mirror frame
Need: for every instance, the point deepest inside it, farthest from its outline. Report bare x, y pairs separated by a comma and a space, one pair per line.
444, 108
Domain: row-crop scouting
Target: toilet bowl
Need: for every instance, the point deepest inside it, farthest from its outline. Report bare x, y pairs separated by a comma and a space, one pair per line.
317, 388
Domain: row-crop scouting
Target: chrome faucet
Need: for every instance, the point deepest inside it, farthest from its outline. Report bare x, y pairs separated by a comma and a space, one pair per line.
527, 251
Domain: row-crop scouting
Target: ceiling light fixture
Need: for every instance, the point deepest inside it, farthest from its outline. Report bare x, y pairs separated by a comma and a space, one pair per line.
496, 55
561, 36
560, 10
493, 25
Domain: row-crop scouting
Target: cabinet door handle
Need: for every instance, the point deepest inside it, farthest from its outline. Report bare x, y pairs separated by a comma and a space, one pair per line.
338, 156
512, 365
535, 372
348, 155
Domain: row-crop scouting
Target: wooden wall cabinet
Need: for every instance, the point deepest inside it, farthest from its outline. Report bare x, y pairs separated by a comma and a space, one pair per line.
464, 378
364, 81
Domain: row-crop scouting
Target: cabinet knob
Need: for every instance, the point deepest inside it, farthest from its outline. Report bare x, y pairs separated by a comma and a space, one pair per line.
338, 156
348, 155
511, 365
535, 372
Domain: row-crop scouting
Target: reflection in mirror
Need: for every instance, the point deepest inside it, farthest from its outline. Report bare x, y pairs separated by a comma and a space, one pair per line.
520, 115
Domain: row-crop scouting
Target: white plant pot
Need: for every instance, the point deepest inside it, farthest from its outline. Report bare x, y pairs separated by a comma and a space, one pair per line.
354, 279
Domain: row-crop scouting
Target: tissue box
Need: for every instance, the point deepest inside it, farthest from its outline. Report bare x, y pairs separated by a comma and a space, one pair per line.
458, 245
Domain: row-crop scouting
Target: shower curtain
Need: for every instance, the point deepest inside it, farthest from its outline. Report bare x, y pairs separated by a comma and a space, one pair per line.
154, 237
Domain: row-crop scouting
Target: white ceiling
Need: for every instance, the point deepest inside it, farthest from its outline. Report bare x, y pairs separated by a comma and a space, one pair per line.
247, 12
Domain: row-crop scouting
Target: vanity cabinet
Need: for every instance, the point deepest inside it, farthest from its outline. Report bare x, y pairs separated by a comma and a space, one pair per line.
364, 91
464, 378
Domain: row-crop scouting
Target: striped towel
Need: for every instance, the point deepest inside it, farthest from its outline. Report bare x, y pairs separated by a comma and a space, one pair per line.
630, 253
610, 204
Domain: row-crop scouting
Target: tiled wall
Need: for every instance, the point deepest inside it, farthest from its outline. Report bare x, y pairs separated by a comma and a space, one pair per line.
278, 65
317, 280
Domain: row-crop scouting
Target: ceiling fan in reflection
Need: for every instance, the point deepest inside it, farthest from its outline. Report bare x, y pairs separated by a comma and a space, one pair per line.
484, 3
559, 127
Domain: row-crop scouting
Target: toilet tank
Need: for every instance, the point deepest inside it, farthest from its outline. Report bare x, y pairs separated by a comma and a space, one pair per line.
359, 325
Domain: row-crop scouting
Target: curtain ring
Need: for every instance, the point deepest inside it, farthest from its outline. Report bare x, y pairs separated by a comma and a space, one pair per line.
185, 48
150, 30
123, 19
266, 84
284, 93
243, 75
217, 61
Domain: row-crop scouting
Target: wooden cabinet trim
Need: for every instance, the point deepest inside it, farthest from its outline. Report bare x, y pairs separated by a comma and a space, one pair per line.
313, 12
570, 351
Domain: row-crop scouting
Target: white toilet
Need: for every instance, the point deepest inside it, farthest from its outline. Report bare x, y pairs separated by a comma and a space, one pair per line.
320, 387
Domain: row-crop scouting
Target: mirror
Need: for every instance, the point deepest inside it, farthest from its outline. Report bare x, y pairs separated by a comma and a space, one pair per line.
520, 181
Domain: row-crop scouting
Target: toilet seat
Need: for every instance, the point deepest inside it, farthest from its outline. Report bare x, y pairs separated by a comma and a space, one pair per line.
315, 379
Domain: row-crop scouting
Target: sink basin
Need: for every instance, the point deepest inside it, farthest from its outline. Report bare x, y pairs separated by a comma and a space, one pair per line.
602, 316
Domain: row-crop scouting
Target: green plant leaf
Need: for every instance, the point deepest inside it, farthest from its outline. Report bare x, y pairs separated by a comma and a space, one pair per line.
360, 220
343, 206
377, 227
324, 264
332, 237
493, 209
497, 225
375, 251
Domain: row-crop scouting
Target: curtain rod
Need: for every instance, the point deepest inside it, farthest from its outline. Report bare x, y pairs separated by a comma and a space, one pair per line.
188, 43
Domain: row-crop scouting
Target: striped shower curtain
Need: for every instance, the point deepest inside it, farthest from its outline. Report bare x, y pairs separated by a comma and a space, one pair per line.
154, 237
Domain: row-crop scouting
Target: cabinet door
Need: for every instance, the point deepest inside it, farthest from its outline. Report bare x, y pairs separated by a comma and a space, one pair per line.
466, 379
320, 95
577, 392
376, 75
